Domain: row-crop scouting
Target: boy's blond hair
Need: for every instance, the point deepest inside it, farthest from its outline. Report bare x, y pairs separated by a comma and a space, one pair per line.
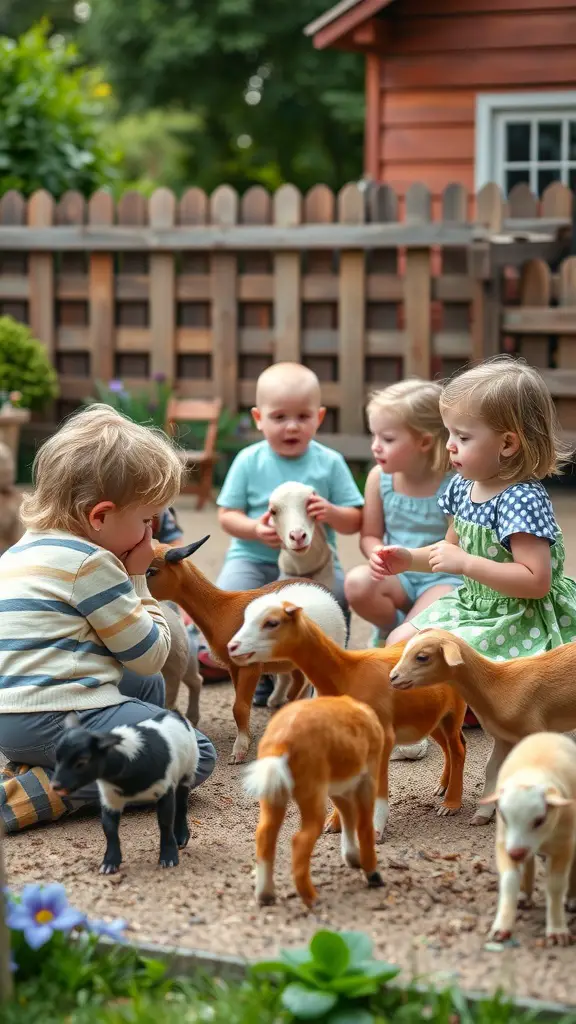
416, 404
509, 395
99, 455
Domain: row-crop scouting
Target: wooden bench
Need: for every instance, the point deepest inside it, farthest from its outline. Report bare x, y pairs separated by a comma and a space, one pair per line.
191, 410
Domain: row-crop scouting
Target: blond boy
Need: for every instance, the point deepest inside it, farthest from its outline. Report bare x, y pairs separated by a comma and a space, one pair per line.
79, 629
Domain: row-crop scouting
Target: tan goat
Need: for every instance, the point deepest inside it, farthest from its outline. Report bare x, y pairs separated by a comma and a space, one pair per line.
278, 629
511, 699
219, 614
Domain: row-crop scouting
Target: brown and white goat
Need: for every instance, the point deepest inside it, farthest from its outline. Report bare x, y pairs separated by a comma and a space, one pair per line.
219, 614
312, 750
511, 699
282, 630
536, 799
181, 666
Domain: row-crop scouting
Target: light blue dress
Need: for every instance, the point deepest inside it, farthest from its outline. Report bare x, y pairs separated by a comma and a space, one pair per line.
412, 522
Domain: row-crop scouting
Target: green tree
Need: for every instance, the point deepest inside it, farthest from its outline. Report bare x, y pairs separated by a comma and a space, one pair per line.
17, 16
50, 118
271, 108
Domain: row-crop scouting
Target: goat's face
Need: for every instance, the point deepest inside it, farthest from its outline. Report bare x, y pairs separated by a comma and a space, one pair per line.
80, 756
165, 575
528, 814
288, 515
266, 625
427, 658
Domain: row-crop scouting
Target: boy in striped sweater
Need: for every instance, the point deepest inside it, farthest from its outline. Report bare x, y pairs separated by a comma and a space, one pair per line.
79, 629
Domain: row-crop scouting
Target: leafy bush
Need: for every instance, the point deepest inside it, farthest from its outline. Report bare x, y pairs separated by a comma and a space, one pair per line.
49, 118
24, 364
148, 408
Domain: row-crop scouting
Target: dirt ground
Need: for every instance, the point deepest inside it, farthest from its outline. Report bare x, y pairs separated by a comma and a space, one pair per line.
440, 893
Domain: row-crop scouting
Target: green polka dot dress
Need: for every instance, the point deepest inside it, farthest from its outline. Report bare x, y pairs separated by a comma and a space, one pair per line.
504, 627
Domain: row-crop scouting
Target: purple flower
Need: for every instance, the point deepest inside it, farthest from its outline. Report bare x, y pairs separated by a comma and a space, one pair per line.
111, 929
42, 910
116, 385
159, 377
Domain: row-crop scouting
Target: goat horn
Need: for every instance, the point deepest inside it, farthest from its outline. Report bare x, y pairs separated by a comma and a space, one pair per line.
179, 554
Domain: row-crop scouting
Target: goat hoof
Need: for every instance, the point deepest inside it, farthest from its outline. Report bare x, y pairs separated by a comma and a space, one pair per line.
375, 880
379, 837
480, 819
352, 859
501, 935
524, 901
266, 899
444, 811
169, 859
182, 839
559, 938
109, 868
440, 790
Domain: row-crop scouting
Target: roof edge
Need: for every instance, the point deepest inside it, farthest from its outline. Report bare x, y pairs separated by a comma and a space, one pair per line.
351, 12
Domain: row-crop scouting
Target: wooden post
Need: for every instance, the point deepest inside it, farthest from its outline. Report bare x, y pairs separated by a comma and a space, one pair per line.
287, 316
6, 982
101, 294
487, 288
535, 291
224, 211
161, 211
351, 318
41, 274
417, 290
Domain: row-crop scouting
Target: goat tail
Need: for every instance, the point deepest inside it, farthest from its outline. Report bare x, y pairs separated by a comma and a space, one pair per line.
269, 778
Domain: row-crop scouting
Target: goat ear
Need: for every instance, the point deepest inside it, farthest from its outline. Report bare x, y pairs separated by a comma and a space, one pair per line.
451, 653
107, 740
72, 721
290, 608
179, 554
555, 800
491, 799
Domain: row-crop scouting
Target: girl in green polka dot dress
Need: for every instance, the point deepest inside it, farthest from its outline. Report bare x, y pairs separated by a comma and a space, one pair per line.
503, 537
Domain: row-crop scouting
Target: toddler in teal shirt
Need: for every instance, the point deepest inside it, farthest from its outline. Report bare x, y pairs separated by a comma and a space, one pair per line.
288, 412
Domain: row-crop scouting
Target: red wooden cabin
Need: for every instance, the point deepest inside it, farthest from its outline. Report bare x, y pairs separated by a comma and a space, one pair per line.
465, 91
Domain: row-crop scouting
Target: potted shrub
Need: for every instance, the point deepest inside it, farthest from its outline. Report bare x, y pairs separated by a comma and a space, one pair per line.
28, 380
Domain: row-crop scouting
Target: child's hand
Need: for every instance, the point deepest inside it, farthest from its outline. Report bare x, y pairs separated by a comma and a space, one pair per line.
138, 560
446, 557
318, 507
389, 561
265, 533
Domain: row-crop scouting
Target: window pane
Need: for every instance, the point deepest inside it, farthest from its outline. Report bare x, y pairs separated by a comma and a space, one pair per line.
517, 142
546, 178
572, 178
516, 176
550, 140
572, 141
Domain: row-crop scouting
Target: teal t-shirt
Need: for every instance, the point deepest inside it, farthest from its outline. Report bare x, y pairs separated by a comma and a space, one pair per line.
258, 470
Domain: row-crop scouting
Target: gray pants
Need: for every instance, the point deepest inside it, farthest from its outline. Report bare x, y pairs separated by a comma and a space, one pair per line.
31, 737
242, 574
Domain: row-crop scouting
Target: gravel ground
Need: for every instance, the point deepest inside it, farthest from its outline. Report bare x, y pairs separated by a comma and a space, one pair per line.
431, 917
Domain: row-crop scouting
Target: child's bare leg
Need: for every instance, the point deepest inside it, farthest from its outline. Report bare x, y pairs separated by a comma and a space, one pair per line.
376, 601
407, 630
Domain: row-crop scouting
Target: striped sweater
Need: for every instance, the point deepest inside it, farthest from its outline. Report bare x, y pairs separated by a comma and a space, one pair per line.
71, 619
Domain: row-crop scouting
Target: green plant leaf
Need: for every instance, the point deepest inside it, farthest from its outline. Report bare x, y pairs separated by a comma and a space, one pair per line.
355, 986
330, 953
378, 969
269, 967
305, 1003
359, 945
296, 957
351, 1017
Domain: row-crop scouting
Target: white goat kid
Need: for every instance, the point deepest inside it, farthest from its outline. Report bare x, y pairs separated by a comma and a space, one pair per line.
252, 643
305, 550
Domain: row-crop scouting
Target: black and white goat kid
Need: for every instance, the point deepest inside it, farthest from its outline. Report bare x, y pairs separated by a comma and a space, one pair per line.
155, 760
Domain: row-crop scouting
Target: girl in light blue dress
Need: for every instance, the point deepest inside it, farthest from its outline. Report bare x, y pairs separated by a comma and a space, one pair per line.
401, 508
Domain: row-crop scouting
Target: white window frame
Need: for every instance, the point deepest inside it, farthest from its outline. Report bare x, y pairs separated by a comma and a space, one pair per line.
492, 112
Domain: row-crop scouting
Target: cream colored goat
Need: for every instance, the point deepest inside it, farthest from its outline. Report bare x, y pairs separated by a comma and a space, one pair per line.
511, 699
218, 614
536, 800
305, 550
181, 666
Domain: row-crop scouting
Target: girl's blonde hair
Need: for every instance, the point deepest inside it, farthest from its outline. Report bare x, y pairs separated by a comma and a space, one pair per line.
99, 455
509, 395
416, 403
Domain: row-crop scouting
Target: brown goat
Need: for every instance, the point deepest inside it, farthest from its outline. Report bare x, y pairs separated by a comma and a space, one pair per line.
219, 614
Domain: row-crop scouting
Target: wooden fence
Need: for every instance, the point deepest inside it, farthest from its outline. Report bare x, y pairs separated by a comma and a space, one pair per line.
210, 290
